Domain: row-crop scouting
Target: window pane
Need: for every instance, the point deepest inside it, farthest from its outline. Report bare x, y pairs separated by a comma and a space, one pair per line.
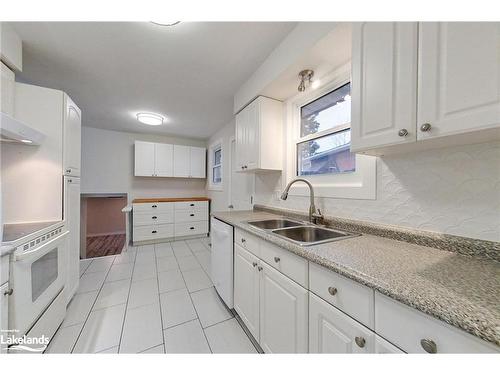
324, 113
217, 156
216, 175
328, 154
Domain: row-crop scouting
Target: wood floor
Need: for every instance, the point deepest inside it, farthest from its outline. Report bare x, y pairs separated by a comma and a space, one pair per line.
100, 246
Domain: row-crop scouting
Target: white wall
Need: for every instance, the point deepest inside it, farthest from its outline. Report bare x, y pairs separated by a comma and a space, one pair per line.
451, 190
108, 166
220, 199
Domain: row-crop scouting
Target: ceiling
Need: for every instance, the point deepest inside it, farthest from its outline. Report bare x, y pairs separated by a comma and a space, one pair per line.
112, 70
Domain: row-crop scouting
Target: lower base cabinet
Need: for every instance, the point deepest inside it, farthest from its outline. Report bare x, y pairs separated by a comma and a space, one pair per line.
272, 306
332, 331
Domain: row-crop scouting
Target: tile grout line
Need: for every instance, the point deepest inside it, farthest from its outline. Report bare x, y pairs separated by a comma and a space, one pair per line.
159, 300
126, 303
192, 303
93, 304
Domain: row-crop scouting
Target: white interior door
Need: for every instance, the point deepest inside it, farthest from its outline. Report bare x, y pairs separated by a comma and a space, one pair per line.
241, 185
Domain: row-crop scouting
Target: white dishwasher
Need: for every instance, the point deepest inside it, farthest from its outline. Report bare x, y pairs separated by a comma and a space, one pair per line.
222, 259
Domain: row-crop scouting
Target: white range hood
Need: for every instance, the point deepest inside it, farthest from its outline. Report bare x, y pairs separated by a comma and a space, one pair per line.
14, 131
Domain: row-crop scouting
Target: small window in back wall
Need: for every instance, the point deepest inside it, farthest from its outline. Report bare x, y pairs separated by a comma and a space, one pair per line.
217, 165
325, 131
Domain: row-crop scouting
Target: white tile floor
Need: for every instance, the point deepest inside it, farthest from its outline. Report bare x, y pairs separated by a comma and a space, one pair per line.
150, 299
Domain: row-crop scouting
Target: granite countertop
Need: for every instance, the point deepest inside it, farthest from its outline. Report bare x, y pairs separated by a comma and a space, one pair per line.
154, 200
459, 290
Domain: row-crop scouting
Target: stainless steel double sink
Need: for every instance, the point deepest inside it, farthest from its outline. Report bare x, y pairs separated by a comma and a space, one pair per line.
303, 234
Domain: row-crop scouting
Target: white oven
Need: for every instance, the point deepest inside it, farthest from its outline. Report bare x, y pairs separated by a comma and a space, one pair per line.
37, 275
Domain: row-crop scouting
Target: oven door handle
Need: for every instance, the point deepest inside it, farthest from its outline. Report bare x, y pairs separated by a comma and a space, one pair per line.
40, 250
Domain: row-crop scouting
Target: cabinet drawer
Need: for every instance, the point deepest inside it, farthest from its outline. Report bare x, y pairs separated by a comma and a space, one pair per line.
192, 205
349, 296
287, 263
191, 228
153, 218
153, 207
191, 215
146, 233
407, 328
247, 241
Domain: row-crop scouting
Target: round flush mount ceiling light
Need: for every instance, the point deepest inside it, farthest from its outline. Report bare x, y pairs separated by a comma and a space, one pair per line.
150, 118
166, 23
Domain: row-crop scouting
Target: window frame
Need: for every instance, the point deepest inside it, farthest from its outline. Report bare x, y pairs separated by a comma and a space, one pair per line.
213, 148
360, 184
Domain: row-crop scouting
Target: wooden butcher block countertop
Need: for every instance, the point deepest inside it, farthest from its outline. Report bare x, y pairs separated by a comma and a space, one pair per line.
153, 200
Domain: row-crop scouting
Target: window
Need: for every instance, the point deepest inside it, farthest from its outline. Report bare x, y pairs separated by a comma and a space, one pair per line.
215, 166
324, 146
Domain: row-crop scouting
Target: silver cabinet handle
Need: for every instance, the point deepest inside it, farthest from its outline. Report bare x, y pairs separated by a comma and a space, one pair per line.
425, 127
403, 133
8, 292
429, 346
259, 268
332, 290
254, 264
276, 259
360, 341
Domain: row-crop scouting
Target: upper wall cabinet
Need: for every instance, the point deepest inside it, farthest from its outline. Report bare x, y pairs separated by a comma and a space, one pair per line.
166, 160
72, 133
454, 68
384, 84
7, 87
259, 134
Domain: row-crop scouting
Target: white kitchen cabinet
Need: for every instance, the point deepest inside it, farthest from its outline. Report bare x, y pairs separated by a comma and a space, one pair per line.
8, 89
453, 66
197, 162
72, 217
164, 163
385, 347
144, 159
259, 128
182, 161
246, 289
4, 317
72, 133
459, 77
332, 331
283, 313
384, 84
416, 332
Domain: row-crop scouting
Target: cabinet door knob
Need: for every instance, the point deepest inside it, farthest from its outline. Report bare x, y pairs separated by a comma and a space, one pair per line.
429, 346
259, 268
332, 290
8, 292
403, 132
360, 341
425, 127
254, 264
276, 259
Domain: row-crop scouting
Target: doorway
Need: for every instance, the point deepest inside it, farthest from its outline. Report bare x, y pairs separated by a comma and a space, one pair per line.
105, 226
